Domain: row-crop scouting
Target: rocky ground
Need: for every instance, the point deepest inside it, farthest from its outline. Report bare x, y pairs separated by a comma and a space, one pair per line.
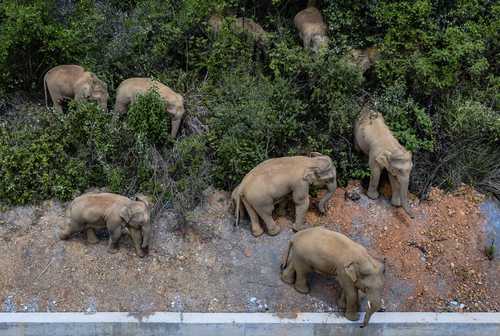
435, 262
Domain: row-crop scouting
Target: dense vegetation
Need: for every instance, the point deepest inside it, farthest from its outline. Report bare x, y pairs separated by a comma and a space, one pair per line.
437, 84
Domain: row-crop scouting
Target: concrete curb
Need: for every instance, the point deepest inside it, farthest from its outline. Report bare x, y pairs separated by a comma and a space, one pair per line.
248, 324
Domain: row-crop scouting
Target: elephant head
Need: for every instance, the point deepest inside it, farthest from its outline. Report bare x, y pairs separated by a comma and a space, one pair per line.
399, 164
368, 276
96, 90
137, 215
176, 109
322, 172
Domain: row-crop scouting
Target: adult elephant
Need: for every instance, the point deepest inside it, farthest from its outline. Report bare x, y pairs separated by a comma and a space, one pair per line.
73, 82
130, 88
375, 139
312, 28
116, 213
331, 253
273, 179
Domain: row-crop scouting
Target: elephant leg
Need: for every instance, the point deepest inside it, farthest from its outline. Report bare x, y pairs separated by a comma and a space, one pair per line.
395, 190
73, 227
341, 303
301, 271
120, 107
57, 101
91, 236
351, 299
374, 180
114, 240
136, 236
301, 201
288, 274
254, 219
265, 212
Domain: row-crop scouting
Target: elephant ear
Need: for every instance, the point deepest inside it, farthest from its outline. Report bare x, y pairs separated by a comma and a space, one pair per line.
384, 158
350, 270
310, 175
126, 214
86, 88
144, 199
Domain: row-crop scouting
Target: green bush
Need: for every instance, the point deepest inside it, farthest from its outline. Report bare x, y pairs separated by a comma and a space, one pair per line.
436, 83
147, 118
409, 122
253, 119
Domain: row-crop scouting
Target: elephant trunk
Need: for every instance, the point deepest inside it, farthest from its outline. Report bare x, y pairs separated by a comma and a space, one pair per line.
104, 106
176, 123
404, 196
332, 186
146, 234
374, 305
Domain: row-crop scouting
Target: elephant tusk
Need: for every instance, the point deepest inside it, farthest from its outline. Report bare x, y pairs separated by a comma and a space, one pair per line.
369, 305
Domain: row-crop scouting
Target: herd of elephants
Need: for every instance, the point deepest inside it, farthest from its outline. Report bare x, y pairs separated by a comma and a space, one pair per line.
313, 249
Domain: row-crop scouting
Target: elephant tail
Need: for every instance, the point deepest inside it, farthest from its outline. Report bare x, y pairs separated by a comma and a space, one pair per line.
45, 90
286, 255
237, 203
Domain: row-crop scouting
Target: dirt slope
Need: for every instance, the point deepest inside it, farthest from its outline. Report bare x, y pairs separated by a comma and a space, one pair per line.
434, 262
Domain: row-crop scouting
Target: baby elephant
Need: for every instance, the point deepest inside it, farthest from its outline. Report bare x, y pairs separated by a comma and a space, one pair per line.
375, 139
130, 88
115, 212
331, 253
73, 82
312, 29
272, 180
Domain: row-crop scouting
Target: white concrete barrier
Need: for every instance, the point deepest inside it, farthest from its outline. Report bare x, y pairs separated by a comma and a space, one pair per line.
247, 324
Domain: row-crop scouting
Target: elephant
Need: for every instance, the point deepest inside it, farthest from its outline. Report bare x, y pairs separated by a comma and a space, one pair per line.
117, 213
331, 253
363, 58
129, 89
375, 139
240, 25
274, 179
73, 82
312, 29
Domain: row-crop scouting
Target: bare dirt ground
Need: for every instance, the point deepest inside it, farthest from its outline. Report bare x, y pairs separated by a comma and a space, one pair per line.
435, 262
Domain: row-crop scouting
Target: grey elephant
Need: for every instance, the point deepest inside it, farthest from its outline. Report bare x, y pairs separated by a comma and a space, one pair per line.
312, 29
240, 25
272, 180
331, 253
117, 213
375, 139
73, 82
363, 58
130, 88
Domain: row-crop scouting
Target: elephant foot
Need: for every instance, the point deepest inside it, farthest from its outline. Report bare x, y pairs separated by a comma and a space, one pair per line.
92, 239
273, 230
352, 316
304, 289
372, 194
112, 249
63, 236
287, 279
396, 202
141, 253
256, 232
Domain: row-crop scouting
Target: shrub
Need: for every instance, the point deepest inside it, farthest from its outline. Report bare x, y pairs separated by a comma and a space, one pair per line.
253, 119
147, 118
409, 122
